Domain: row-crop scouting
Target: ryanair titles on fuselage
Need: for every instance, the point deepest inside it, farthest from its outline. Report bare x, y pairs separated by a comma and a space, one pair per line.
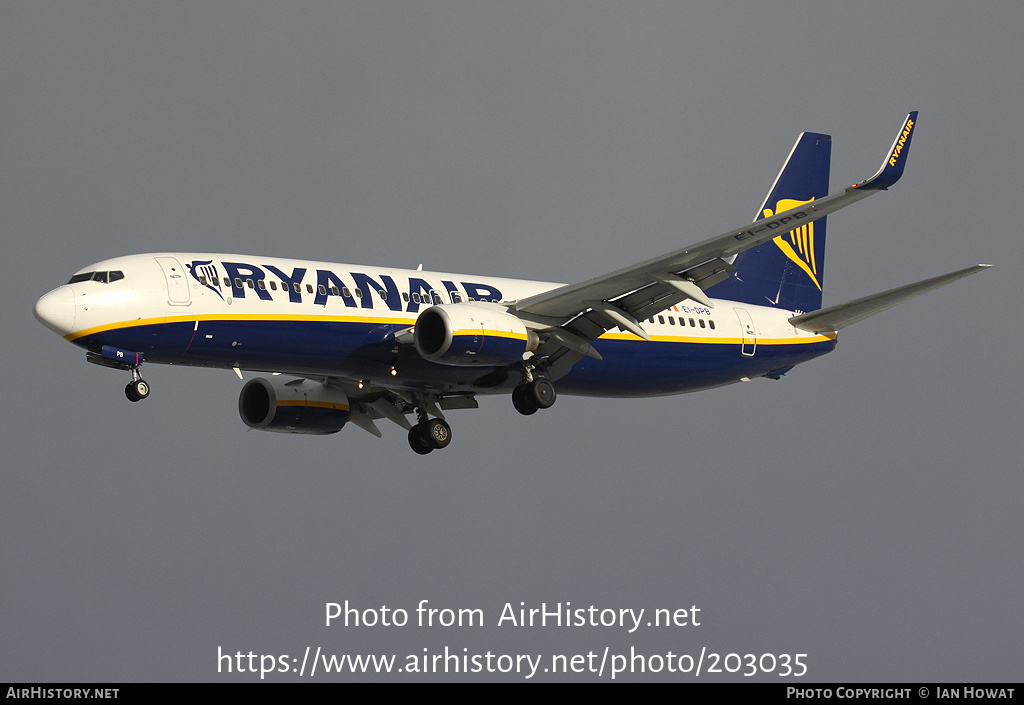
241, 279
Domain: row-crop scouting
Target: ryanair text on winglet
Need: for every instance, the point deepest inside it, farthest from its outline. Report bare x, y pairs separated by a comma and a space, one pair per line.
900, 142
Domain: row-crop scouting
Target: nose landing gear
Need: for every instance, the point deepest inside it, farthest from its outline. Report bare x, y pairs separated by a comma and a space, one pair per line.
118, 359
137, 390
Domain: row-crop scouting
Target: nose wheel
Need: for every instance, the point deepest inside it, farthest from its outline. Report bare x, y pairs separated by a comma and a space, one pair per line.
137, 390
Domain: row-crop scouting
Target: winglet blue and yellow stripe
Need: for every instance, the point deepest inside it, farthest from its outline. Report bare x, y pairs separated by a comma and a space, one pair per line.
895, 161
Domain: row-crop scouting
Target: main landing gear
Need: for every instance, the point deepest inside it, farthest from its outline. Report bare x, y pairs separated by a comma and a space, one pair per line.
424, 438
429, 434
533, 394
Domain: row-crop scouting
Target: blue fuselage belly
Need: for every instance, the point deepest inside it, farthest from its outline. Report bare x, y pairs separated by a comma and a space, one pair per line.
368, 351
642, 369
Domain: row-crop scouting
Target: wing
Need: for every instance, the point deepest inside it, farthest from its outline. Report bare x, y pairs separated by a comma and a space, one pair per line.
578, 314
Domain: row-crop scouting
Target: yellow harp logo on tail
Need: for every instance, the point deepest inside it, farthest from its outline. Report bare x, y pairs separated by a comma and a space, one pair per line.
798, 244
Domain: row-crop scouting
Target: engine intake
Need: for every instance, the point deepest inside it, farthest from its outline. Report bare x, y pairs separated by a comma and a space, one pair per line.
470, 335
296, 406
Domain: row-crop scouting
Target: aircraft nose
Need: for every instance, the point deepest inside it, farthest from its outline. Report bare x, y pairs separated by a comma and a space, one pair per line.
56, 310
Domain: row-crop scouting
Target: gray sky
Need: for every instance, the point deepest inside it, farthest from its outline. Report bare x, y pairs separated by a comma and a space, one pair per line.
865, 510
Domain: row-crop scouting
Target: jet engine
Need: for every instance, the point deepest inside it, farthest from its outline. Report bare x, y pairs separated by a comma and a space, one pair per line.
468, 334
296, 406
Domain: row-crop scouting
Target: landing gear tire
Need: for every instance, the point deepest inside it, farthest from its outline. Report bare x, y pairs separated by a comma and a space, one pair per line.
529, 397
523, 402
542, 392
438, 433
418, 441
137, 390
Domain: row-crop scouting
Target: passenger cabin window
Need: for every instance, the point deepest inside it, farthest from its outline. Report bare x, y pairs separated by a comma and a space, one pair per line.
701, 321
249, 283
383, 294
263, 285
309, 288
273, 285
456, 298
359, 293
238, 282
322, 289
334, 291
711, 324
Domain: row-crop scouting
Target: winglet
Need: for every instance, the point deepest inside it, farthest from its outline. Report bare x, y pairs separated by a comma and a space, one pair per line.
892, 168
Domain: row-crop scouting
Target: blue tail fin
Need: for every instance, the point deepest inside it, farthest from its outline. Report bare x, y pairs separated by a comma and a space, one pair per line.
787, 272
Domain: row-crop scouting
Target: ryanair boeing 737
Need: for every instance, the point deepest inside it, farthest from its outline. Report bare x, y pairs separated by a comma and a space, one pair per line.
361, 344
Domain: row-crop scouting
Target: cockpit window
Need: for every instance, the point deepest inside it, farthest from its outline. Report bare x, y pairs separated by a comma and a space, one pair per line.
102, 277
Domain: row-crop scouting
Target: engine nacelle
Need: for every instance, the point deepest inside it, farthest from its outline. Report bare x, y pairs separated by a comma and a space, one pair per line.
296, 406
468, 335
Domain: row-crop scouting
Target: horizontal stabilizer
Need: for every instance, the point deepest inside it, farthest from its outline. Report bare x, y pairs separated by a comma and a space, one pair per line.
835, 317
